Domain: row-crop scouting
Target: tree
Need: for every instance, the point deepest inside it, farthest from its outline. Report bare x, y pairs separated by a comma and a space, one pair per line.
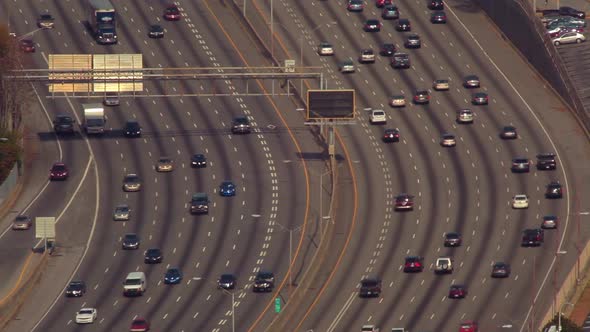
567, 325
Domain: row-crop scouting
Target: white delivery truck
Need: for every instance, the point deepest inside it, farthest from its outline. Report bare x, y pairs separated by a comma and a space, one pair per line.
135, 284
94, 120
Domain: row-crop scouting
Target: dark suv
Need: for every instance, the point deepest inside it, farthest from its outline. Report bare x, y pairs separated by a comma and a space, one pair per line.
520, 165
370, 287
532, 237
421, 97
63, 124
264, 282
553, 190
546, 161
400, 60
240, 125
76, 289
414, 264
153, 256
132, 129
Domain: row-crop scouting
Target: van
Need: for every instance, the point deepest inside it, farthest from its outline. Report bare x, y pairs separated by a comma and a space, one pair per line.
135, 284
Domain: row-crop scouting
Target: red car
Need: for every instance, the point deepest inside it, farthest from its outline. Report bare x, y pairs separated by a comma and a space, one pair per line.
139, 325
457, 292
58, 171
414, 264
382, 3
172, 13
27, 46
468, 326
404, 202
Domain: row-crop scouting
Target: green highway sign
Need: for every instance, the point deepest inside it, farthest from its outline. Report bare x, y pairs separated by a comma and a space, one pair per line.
278, 305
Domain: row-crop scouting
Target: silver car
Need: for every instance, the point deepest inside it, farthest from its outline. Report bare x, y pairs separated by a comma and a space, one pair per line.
569, 38
465, 116
131, 182
122, 212
111, 99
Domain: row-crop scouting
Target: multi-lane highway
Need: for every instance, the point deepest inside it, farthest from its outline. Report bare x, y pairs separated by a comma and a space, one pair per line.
466, 188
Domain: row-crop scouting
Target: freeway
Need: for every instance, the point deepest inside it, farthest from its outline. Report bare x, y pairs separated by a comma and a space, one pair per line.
272, 180
466, 189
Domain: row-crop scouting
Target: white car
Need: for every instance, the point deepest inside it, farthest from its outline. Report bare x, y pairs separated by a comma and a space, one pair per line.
325, 49
520, 201
465, 116
86, 316
448, 140
369, 328
397, 101
346, 66
569, 38
377, 116
440, 85
121, 212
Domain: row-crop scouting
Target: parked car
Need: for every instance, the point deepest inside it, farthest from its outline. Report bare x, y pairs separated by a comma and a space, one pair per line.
569, 38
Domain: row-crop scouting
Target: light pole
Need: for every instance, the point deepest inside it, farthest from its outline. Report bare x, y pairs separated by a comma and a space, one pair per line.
559, 315
290, 230
322, 199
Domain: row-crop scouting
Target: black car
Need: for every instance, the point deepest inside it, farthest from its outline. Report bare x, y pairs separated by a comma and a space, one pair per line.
390, 12
370, 287
76, 289
403, 24
240, 125
372, 25
414, 264
438, 17
508, 132
453, 239
387, 49
153, 256
520, 165
479, 98
471, 81
412, 41
436, 5
421, 97
264, 282
130, 241
554, 190
546, 161
63, 124
198, 160
156, 31
226, 281
400, 61
132, 129
500, 270
391, 135
569, 11
532, 237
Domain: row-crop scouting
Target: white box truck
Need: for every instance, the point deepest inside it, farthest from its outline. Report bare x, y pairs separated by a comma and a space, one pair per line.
135, 284
94, 120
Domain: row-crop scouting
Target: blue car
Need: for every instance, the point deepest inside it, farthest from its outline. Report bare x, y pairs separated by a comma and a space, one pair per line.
172, 276
227, 188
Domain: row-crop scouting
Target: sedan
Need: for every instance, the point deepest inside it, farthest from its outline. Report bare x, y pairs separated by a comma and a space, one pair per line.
122, 212
22, 222
520, 165
227, 281
58, 171
172, 13
132, 129
86, 316
479, 98
448, 140
153, 256
412, 41
131, 182
438, 17
508, 132
569, 38
520, 201
76, 289
164, 164
421, 97
387, 49
372, 25
130, 241
414, 264
198, 161
381, 3
172, 276
500, 270
554, 190
404, 202
403, 24
45, 21
325, 49
346, 66
569, 11
440, 85
27, 45
156, 31
139, 325
457, 292
367, 56
397, 101
549, 222
468, 326
355, 5
557, 32
436, 5
391, 135
227, 189
390, 12
453, 239
471, 81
